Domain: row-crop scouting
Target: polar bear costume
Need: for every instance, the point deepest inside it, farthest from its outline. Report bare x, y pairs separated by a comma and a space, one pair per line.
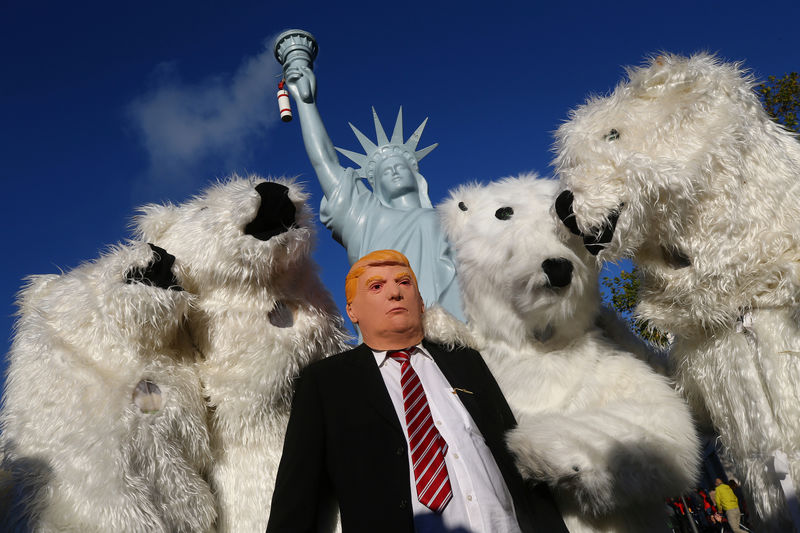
261, 315
683, 171
606, 432
104, 421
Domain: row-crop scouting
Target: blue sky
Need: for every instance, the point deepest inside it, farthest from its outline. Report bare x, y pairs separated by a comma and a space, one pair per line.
108, 106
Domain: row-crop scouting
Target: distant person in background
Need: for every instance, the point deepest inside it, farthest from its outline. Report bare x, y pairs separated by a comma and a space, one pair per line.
672, 518
737, 490
706, 509
680, 518
700, 507
728, 503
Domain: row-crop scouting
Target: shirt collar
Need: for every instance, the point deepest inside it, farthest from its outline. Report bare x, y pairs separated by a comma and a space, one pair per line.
381, 357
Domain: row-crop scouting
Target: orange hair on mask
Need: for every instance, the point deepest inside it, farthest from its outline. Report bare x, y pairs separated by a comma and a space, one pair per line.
376, 258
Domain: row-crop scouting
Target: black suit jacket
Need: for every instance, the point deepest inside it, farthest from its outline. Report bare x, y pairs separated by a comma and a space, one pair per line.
344, 440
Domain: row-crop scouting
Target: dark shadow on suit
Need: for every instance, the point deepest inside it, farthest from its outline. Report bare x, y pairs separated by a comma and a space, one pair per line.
432, 523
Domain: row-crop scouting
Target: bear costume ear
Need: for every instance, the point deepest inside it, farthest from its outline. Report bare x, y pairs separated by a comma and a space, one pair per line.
667, 73
153, 220
653, 79
35, 287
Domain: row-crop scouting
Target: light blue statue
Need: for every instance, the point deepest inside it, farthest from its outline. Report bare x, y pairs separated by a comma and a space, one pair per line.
394, 212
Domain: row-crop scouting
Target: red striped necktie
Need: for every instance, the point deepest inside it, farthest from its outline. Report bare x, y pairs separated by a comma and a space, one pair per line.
427, 445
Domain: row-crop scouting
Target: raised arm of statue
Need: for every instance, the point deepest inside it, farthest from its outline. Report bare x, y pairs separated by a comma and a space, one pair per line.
393, 211
302, 85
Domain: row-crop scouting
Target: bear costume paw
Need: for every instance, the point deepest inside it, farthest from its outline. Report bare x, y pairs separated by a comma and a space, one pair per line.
547, 450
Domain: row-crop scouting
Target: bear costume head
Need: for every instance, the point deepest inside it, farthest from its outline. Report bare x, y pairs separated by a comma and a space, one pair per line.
238, 232
524, 276
682, 170
246, 246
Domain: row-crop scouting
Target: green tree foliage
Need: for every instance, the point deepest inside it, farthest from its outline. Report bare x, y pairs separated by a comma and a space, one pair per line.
624, 294
781, 99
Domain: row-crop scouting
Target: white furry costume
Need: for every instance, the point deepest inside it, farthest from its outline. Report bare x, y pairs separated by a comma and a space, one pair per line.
104, 422
261, 315
682, 170
598, 425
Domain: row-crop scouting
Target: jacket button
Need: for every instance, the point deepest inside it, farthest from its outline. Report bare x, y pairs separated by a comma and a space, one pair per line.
399, 450
403, 503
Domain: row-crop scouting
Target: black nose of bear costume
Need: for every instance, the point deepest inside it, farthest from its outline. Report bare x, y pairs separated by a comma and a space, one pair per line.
597, 238
558, 271
275, 214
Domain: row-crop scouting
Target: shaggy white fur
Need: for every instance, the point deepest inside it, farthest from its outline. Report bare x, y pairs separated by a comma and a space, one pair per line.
598, 425
683, 171
104, 422
261, 315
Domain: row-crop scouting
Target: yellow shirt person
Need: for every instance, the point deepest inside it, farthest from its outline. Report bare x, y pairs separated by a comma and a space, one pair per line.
729, 504
725, 497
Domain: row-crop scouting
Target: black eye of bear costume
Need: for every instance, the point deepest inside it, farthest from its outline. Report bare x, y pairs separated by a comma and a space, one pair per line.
462, 206
504, 213
612, 135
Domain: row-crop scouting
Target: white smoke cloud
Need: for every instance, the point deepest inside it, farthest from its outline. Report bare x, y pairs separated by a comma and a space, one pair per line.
182, 125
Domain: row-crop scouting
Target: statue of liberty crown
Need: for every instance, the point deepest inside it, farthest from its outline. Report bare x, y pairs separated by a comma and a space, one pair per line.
375, 153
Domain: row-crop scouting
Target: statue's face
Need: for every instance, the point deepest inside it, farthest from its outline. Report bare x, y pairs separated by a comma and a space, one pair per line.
394, 177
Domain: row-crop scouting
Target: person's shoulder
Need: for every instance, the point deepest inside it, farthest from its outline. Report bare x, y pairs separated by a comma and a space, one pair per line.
455, 350
333, 361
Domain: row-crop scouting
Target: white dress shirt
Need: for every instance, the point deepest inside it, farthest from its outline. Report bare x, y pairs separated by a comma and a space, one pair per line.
481, 502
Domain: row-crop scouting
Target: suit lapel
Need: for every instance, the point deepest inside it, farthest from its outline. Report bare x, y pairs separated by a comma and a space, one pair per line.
448, 362
369, 377
462, 381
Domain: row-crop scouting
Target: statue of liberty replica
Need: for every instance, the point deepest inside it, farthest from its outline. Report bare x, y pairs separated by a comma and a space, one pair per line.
394, 211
